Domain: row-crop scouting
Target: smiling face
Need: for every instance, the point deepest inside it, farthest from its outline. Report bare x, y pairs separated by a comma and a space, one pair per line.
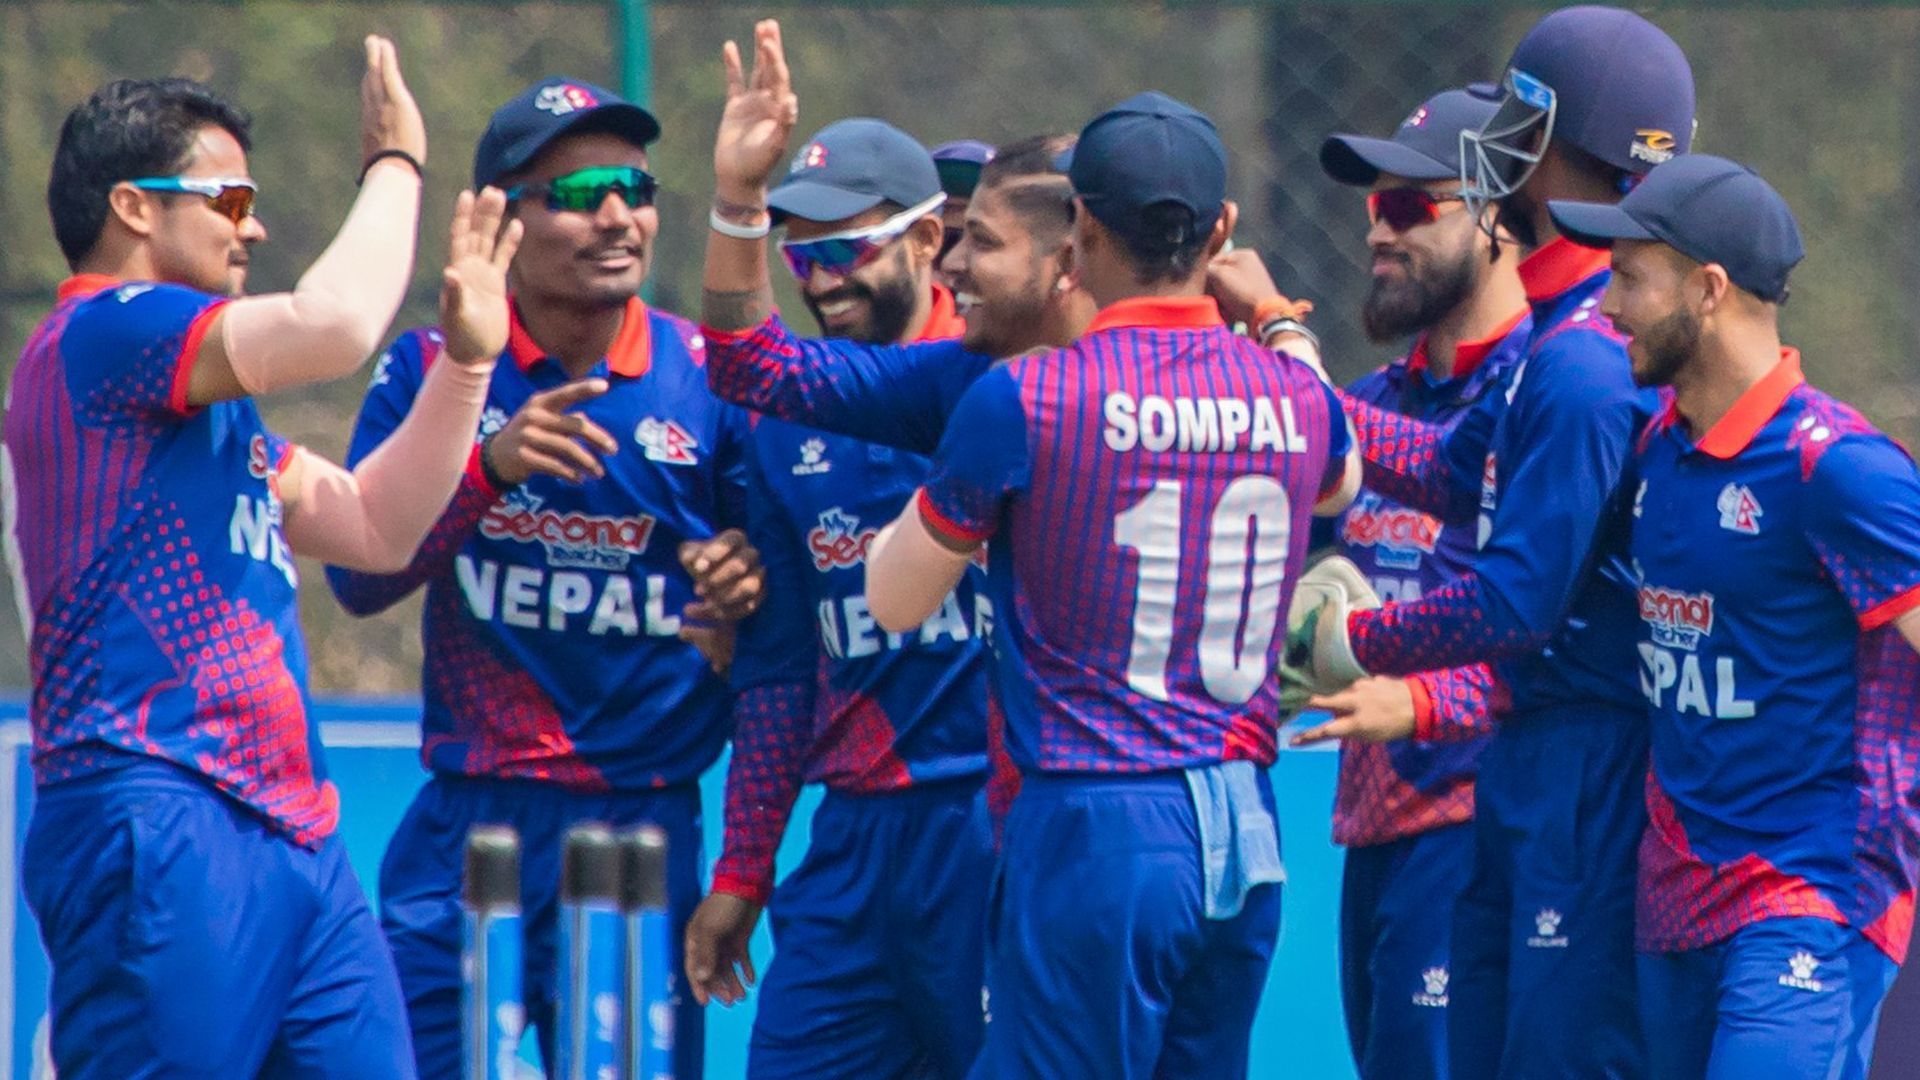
1647, 299
1002, 275
583, 258
1425, 270
876, 302
188, 240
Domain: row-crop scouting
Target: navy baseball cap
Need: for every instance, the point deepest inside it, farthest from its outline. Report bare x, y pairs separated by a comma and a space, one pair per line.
1707, 208
1623, 89
852, 166
959, 164
1148, 150
1426, 147
548, 109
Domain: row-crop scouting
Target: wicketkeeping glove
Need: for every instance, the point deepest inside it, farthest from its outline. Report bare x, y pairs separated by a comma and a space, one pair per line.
1318, 658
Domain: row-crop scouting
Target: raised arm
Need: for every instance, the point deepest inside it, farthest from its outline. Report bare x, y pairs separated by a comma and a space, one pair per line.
334, 318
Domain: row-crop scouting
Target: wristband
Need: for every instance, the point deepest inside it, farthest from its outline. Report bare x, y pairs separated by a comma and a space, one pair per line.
494, 479
739, 232
396, 154
1287, 324
1275, 307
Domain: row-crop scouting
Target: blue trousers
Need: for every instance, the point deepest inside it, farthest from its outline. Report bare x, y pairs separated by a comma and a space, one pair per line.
879, 938
1100, 959
190, 940
1543, 961
1787, 999
1396, 925
420, 899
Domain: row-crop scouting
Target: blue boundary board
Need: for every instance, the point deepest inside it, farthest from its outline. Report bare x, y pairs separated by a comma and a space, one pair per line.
372, 757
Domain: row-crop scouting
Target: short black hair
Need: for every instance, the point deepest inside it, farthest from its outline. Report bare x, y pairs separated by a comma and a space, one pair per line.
1027, 176
128, 129
1164, 242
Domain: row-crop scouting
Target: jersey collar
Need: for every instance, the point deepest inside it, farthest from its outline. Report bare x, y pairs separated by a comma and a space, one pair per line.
1734, 432
1467, 355
631, 353
1559, 266
943, 322
1158, 313
85, 285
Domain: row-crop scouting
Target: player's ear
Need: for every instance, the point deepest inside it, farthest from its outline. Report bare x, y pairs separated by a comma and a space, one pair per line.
1714, 286
923, 240
1223, 228
132, 208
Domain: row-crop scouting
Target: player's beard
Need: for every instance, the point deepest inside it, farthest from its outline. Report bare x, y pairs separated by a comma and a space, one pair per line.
1399, 306
1658, 352
889, 307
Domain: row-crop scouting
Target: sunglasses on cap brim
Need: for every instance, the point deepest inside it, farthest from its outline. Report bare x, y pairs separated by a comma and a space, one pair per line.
584, 190
844, 252
230, 196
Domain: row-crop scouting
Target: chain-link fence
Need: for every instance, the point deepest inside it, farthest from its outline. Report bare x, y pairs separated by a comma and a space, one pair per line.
1824, 100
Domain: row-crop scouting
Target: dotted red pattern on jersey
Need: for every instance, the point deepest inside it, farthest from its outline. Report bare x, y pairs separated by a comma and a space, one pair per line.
744, 365
1386, 792
1003, 776
1887, 749
1373, 805
1403, 456
1445, 628
853, 744
1463, 703
1685, 903
505, 725
773, 726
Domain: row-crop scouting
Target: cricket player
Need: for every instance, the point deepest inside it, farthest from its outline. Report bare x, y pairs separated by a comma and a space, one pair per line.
959, 163
1010, 273
1776, 539
878, 933
557, 686
1148, 492
1402, 809
199, 912
1542, 978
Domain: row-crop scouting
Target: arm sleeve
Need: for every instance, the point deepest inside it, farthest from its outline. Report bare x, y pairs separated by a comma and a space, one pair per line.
1453, 704
981, 462
898, 395
1866, 526
1431, 467
776, 670
390, 394
1572, 433
129, 351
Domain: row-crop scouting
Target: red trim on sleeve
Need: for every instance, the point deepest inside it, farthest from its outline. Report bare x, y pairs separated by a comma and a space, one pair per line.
1890, 609
1734, 432
944, 525
732, 885
477, 476
189, 354
1158, 313
717, 336
1423, 725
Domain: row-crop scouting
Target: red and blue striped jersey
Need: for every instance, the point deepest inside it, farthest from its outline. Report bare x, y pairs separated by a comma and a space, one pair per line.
1549, 602
1149, 489
1774, 554
552, 611
158, 585
826, 696
1399, 789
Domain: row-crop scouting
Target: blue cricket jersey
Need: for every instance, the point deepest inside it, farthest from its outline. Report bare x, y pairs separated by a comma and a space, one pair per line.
552, 610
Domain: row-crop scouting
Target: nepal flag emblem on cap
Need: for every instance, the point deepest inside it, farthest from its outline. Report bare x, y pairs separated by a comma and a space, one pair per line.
564, 98
811, 156
1418, 119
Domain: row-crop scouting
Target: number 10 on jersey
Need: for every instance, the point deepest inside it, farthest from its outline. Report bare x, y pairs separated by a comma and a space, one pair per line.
1249, 534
